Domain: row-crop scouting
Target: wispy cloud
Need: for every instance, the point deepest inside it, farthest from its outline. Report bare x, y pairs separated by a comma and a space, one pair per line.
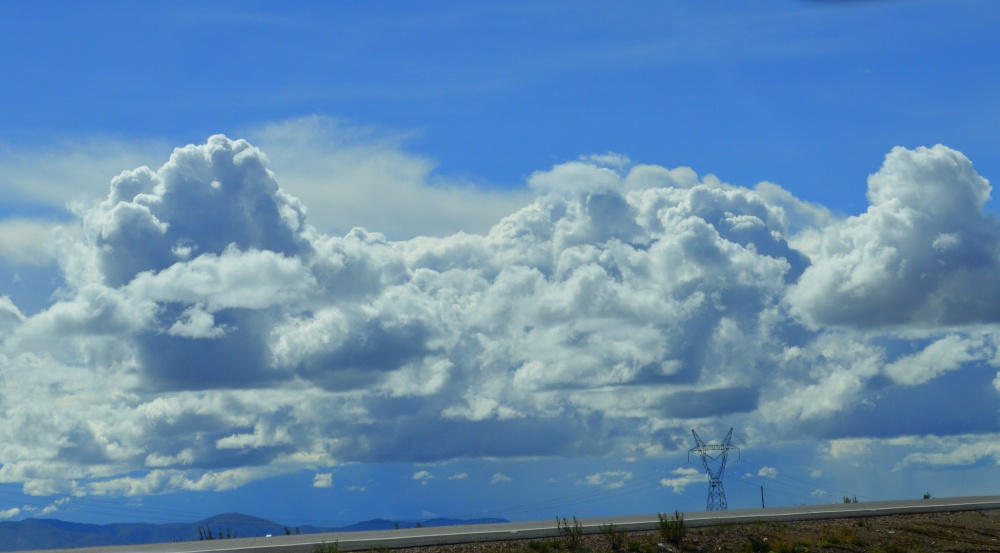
499, 478
611, 480
350, 176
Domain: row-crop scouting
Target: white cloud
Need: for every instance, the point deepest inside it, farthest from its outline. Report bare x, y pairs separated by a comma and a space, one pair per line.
849, 448
832, 370
944, 355
459, 476
9, 513
10, 316
323, 480
768, 472
923, 254
157, 460
233, 280
159, 481
684, 477
68, 171
423, 477
611, 480
22, 241
956, 451
207, 335
195, 322
54, 506
499, 478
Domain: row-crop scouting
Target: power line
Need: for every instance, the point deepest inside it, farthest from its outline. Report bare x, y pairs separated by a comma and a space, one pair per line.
814, 487
645, 482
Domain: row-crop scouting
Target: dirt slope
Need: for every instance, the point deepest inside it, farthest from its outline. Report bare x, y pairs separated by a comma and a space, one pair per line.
968, 531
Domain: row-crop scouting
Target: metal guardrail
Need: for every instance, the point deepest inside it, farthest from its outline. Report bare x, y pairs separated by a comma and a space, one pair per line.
449, 535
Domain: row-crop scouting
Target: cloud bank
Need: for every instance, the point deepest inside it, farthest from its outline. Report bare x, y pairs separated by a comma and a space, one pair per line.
206, 335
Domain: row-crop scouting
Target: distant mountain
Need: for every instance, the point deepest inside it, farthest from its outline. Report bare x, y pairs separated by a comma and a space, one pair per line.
36, 533
383, 524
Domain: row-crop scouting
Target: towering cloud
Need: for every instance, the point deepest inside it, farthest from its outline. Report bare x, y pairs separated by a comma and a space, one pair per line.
925, 253
206, 335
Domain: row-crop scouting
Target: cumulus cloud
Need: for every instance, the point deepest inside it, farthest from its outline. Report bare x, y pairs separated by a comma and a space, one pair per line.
767, 472
925, 253
207, 335
459, 476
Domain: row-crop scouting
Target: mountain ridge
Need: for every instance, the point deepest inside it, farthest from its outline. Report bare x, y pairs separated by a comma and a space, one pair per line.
48, 533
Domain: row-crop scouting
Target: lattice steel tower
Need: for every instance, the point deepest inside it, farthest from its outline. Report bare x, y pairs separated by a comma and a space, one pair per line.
713, 457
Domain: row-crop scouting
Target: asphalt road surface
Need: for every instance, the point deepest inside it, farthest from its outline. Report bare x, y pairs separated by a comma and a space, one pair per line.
413, 537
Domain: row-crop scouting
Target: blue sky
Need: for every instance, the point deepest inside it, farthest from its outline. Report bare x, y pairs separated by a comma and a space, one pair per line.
341, 261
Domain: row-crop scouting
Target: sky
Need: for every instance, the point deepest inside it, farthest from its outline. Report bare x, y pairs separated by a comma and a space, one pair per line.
328, 262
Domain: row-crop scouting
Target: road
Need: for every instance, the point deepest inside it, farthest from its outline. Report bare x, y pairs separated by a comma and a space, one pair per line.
413, 537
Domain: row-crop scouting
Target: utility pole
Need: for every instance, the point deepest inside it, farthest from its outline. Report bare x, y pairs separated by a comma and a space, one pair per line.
713, 457
762, 497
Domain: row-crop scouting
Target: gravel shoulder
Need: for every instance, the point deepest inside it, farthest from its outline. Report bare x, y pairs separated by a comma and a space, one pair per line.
968, 531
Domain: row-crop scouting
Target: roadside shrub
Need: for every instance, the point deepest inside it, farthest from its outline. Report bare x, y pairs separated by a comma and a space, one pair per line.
615, 536
572, 534
673, 531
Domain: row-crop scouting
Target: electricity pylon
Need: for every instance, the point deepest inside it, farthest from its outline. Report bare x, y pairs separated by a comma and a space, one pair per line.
713, 457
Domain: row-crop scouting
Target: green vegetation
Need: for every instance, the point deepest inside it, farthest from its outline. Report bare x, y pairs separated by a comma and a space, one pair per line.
757, 544
572, 534
640, 546
327, 547
672, 530
837, 535
205, 534
767, 537
539, 546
